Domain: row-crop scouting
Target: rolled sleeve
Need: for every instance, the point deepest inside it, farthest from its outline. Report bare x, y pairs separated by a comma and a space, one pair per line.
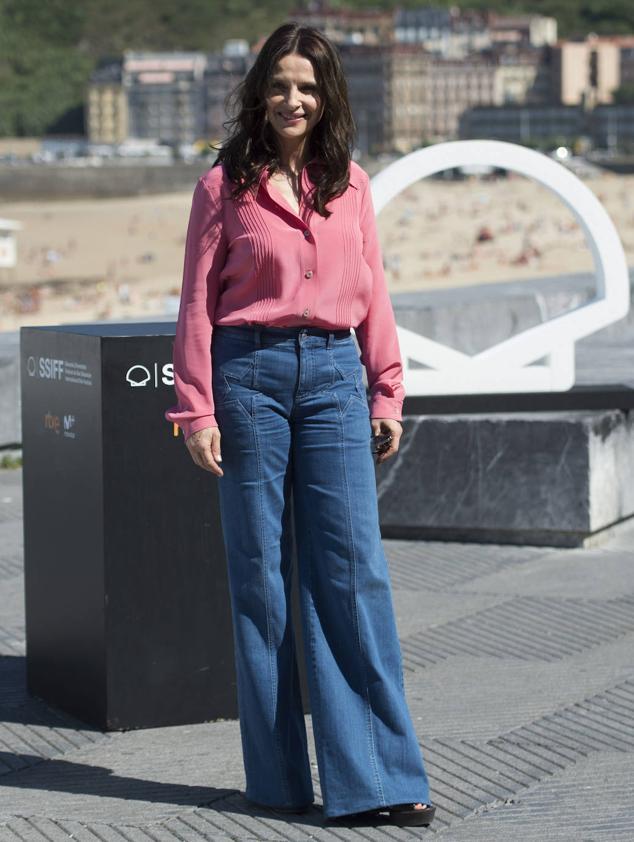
205, 254
377, 334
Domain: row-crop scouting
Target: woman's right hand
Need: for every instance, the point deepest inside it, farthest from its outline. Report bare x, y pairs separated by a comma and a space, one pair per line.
204, 447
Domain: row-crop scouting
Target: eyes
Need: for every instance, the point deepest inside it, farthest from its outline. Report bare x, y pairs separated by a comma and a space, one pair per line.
307, 88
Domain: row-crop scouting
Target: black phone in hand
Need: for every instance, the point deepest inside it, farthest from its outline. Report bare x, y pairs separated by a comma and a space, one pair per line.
380, 443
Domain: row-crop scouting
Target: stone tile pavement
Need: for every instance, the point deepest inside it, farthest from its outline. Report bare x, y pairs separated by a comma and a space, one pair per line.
519, 670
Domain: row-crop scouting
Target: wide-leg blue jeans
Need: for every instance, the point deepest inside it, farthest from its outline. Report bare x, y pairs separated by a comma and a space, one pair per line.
293, 415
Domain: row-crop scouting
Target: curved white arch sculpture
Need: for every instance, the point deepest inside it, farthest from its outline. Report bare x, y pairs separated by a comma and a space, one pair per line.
510, 365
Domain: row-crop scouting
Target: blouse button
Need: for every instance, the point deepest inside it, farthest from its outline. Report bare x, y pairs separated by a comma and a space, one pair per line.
306, 312
308, 273
306, 233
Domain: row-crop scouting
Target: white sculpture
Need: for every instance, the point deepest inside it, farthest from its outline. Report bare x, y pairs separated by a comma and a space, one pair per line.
511, 365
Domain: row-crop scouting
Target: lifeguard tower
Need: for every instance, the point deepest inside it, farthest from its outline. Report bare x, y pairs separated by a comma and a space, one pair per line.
8, 244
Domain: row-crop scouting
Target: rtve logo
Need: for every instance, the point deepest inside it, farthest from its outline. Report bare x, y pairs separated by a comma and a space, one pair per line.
56, 424
52, 422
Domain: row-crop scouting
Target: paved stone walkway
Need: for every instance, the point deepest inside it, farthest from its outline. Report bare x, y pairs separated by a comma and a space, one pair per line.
519, 666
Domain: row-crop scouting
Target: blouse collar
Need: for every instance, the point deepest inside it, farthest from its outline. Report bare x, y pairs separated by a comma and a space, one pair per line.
354, 178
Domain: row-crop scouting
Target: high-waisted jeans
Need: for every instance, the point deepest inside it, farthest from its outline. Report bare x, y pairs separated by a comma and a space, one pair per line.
293, 415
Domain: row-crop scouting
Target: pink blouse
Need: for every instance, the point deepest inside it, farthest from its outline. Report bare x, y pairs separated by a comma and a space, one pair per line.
255, 260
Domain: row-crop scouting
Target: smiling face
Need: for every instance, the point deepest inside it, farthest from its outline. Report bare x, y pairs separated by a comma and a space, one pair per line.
293, 103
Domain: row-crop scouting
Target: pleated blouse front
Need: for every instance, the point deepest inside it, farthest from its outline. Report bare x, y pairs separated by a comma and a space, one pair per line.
255, 260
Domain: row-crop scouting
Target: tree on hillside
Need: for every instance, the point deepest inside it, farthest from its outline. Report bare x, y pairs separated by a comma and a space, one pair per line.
624, 95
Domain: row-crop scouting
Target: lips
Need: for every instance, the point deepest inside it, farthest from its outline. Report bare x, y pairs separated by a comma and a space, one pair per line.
291, 118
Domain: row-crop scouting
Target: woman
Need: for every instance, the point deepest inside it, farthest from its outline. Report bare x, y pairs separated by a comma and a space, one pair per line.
281, 260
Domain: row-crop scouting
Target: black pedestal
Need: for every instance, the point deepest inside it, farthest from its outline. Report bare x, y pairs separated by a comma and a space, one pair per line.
128, 618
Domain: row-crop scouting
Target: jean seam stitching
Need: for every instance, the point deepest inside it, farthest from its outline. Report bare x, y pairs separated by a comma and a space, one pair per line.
273, 679
313, 661
352, 374
293, 644
240, 378
354, 394
225, 404
353, 568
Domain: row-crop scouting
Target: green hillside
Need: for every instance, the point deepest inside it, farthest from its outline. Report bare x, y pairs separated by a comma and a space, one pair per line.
48, 50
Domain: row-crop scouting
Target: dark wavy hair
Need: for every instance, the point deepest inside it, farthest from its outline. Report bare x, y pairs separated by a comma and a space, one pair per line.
251, 146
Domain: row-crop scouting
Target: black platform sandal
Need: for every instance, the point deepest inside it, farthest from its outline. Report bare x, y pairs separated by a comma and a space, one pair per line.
406, 815
403, 815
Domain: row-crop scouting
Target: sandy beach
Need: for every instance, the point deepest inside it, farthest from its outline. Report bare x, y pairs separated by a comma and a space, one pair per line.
80, 260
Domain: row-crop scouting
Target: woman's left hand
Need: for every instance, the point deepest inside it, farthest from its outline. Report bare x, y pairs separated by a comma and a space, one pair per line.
387, 425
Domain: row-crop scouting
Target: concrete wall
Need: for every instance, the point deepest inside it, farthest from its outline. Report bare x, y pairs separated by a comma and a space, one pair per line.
541, 478
55, 181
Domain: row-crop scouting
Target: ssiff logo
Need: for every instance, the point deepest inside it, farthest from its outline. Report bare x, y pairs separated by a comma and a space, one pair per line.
47, 368
140, 375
